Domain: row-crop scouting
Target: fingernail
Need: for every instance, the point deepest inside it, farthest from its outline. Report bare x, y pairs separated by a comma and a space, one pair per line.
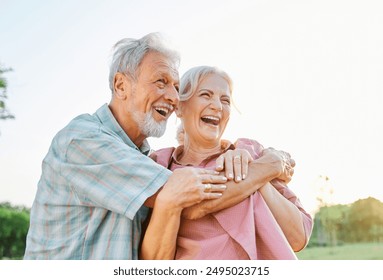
222, 187
239, 178
231, 176
224, 178
244, 176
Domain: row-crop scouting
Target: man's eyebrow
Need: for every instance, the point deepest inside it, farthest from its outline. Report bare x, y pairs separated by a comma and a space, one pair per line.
171, 76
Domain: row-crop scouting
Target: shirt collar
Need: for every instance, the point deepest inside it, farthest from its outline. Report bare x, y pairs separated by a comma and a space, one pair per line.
104, 114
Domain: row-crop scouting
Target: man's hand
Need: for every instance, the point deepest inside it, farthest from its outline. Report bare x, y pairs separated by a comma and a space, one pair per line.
189, 186
281, 162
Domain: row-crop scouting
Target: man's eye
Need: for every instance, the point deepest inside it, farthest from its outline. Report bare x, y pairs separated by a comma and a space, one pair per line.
161, 82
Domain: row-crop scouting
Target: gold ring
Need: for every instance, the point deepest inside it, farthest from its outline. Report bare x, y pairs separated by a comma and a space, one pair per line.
207, 187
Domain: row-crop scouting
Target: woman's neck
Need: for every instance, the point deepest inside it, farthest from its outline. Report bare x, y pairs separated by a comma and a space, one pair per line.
194, 153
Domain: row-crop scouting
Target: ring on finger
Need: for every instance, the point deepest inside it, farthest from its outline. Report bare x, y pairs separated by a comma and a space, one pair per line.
207, 187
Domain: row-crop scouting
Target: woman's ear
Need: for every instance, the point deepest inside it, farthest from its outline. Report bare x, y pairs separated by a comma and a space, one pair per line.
120, 86
178, 111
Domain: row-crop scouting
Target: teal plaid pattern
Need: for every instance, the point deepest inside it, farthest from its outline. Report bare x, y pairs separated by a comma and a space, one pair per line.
89, 200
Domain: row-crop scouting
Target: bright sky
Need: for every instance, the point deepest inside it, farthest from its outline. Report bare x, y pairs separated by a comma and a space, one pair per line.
307, 79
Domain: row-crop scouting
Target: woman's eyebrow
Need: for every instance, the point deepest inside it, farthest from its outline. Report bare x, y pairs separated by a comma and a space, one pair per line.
205, 89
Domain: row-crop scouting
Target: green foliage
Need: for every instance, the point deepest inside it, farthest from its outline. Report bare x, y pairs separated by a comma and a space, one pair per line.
361, 221
4, 113
366, 220
14, 224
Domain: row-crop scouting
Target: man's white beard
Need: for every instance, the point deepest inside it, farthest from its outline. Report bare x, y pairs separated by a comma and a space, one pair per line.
148, 125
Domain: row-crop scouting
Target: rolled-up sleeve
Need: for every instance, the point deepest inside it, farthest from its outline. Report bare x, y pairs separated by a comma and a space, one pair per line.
105, 172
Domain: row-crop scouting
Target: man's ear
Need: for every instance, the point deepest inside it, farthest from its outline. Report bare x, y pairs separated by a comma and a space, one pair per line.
120, 86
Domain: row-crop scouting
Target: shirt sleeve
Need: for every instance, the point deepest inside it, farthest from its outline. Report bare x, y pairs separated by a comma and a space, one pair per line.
105, 172
255, 150
291, 196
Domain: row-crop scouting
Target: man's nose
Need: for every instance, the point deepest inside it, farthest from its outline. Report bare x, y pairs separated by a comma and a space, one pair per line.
172, 95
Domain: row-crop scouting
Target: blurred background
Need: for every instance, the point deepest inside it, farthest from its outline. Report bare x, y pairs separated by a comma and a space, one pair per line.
307, 80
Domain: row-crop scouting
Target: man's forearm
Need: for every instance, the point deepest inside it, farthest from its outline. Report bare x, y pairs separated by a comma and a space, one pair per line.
260, 173
159, 242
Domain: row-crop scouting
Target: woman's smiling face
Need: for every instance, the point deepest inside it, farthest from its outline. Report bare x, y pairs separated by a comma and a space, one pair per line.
206, 113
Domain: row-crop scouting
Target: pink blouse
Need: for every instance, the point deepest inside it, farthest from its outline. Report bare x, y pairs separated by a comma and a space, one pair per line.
247, 230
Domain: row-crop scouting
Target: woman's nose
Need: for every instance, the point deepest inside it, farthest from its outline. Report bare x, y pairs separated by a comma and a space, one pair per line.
216, 104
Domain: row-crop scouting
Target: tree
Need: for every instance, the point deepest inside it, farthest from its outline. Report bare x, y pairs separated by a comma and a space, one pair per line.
14, 224
331, 222
366, 220
4, 113
361, 221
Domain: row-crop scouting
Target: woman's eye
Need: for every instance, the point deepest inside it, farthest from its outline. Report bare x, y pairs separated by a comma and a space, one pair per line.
226, 101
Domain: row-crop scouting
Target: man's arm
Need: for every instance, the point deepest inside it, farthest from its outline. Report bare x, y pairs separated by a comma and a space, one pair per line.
184, 188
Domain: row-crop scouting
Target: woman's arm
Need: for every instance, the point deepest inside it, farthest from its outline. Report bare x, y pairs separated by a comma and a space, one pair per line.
271, 165
287, 215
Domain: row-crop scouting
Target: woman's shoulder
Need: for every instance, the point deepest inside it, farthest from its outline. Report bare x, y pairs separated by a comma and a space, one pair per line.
251, 145
163, 156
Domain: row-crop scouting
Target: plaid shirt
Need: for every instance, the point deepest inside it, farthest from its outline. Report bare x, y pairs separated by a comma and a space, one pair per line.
89, 201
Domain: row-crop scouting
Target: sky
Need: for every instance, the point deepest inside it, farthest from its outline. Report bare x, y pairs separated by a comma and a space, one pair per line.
307, 80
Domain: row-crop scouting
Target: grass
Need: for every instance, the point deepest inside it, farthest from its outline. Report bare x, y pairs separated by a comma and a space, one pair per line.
358, 251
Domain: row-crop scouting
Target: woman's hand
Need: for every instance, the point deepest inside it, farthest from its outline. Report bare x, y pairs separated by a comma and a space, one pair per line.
235, 164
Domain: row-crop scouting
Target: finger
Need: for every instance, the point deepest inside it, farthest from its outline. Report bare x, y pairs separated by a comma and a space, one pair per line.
211, 195
229, 172
292, 162
237, 161
214, 187
245, 167
202, 171
213, 179
218, 188
219, 163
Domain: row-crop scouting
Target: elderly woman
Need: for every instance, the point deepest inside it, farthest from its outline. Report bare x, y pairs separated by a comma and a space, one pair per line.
270, 224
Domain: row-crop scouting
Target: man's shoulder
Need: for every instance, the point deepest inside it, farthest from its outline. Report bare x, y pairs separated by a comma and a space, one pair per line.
82, 126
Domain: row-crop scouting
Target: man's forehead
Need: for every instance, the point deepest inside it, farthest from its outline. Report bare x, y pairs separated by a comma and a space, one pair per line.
157, 64
165, 68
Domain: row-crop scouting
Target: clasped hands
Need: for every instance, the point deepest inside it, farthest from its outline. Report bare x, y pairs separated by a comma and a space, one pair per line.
235, 164
189, 186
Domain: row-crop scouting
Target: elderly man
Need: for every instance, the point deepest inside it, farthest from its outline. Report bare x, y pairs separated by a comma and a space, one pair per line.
97, 177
